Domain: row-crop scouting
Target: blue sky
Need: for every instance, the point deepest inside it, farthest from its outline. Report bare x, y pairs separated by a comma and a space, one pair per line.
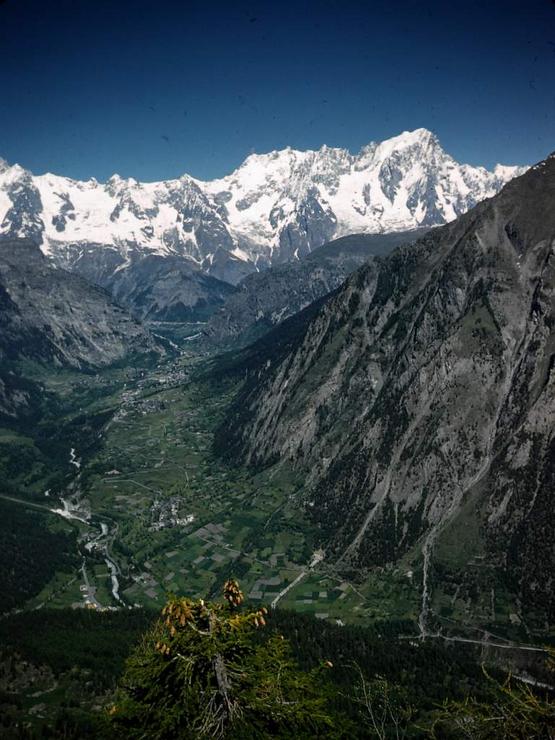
156, 89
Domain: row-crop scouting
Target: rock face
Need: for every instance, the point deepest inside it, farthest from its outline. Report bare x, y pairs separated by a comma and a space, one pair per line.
274, 208
266, 298
167, 288
421, 400
50, 315
153, 286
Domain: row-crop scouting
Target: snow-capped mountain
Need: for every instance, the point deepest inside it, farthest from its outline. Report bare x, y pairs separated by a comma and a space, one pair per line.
274, 208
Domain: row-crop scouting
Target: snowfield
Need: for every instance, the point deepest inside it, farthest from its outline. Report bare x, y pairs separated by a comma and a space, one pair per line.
275, 207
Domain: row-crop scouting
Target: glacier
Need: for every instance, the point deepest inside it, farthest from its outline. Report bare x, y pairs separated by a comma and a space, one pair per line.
274, 208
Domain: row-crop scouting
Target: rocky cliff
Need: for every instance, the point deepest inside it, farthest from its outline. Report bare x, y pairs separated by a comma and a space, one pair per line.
50, 315
420, 399
266, 298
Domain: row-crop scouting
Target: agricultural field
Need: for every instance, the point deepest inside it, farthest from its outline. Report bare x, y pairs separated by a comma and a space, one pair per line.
122, 461
154, 512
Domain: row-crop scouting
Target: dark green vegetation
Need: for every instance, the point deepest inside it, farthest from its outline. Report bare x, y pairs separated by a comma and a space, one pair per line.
64, 638
59, 674
512, 710
35, 545
200, 673
59, 667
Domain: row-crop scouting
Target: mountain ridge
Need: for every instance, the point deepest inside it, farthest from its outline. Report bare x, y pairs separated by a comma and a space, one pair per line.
57, 318
274, 208
419, 398
264, 299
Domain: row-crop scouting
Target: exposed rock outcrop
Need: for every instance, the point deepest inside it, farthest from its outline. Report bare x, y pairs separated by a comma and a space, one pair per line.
266, 298
421, 401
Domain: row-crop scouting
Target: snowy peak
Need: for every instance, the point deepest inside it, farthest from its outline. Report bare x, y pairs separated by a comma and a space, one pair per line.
420, 137
275, 207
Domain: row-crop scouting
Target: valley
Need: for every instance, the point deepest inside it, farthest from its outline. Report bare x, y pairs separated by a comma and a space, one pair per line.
143, 507
143, 460
154, 511
277, 371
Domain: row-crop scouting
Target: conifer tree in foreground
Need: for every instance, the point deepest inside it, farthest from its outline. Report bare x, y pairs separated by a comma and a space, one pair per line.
515, 711
202, 671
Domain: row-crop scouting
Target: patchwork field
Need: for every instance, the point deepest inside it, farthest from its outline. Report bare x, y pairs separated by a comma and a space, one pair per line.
153, 511
124, 464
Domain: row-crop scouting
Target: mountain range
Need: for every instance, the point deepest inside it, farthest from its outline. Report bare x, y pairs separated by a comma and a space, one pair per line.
419, 401
411, 389
54, 317
274, 208
266, 298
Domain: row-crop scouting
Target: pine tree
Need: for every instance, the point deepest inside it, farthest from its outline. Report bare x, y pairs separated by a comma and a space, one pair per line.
204, 671
514, 712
